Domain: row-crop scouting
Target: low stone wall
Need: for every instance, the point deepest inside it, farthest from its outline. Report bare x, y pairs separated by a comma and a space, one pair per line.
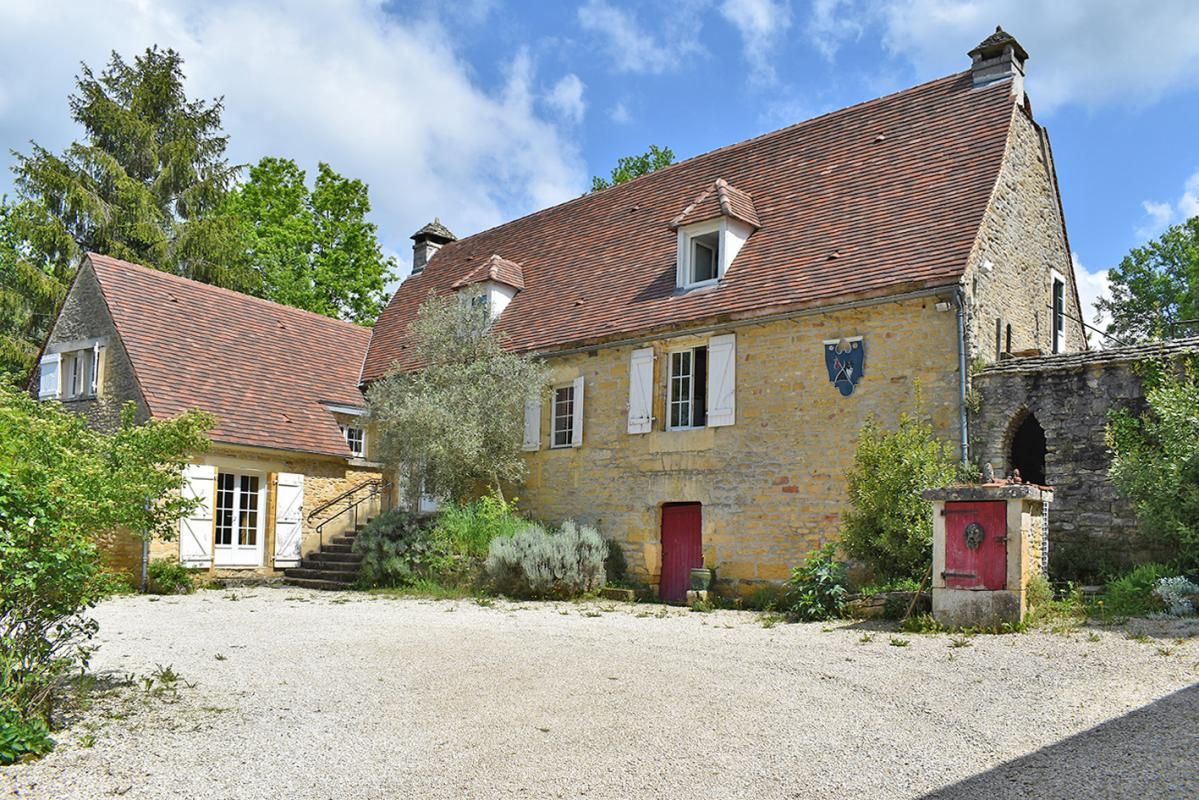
1091, 527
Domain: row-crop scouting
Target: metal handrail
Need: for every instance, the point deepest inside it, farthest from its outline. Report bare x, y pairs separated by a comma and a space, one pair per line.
376, 487
347, 493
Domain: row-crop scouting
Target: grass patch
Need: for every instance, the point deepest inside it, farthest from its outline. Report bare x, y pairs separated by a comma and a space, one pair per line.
427, 589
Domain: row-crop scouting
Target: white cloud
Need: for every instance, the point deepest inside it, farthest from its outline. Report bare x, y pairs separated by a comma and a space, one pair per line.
634, 49
382, 98
1092, 286
566, 98
761, 24
1162, 214
620, 114
828, 27
1088, 52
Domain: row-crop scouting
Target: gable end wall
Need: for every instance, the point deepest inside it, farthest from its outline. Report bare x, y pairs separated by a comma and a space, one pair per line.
1022, 235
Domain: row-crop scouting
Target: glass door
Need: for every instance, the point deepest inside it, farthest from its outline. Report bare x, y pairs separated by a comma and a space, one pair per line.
239, 504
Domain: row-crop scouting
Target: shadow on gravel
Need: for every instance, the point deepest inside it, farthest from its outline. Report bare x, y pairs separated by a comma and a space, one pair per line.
1147, 753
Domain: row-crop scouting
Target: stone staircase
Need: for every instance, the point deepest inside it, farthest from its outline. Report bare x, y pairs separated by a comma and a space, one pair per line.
334, 567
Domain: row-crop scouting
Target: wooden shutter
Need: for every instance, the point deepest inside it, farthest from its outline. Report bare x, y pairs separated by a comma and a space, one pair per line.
576, 438
94, 372
289, 513
533, 423
195, 530
722, 380
50, 379
641, 391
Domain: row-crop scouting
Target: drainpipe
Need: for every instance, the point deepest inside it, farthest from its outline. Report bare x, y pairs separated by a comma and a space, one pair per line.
959, 303
146, 555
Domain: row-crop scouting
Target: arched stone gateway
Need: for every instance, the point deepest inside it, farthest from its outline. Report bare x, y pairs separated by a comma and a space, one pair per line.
1026, 450
1048, 416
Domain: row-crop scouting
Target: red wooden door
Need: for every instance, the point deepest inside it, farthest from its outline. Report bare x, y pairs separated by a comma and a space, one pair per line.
682, 549
976, 545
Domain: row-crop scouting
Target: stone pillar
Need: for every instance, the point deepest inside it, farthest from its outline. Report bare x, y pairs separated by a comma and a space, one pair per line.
987, 544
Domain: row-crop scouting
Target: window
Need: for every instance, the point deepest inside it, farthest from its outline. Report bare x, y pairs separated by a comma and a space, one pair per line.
1059, 313
79, 373
687, 389
564, 415
355, 440
705, 252
237, 510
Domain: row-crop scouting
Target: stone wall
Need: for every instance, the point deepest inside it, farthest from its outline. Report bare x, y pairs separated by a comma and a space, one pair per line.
85, 315
1022, 238
1091, 528
772, 485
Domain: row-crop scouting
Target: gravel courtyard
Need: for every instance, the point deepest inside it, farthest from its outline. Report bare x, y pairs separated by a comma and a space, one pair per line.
296, 694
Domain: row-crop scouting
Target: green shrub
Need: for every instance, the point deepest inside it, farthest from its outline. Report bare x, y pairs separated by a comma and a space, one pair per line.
1131, 594
816, 589
536, 563
1155, 461
398, 548
468, 528
20, 738
168, 576
888, 525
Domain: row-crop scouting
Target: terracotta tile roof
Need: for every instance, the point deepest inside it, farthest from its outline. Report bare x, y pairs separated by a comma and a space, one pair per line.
719, 200
897, 186
497, 269
263, 369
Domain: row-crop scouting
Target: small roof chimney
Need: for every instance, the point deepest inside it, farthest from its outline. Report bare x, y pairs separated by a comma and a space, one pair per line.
427, 241
997, 58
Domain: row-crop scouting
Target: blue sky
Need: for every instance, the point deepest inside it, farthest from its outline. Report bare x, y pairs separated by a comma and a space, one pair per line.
482, 111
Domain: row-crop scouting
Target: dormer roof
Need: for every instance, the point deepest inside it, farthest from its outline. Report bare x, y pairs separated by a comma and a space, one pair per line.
497, 269
719, 200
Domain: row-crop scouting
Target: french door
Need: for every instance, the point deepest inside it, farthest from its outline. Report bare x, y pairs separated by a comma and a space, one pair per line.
240, 501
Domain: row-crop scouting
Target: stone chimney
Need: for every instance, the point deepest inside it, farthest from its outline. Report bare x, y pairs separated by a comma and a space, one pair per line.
998, 58
427, 241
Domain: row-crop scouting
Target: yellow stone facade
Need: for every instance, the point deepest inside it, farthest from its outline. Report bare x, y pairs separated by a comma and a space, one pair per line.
772, 485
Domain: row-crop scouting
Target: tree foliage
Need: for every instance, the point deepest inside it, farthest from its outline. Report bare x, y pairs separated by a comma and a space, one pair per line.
1155, 289
1156, 458
457, 421
888, 524
311, 249
145, 179
30, 291
62, 484
629, 167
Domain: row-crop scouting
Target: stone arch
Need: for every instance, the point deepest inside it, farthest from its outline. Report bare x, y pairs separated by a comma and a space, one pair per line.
1024, 446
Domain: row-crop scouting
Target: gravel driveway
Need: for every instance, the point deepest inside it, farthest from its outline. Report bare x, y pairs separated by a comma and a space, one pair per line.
297, 694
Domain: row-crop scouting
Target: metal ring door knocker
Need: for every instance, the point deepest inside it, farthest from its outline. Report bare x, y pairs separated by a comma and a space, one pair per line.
974, 534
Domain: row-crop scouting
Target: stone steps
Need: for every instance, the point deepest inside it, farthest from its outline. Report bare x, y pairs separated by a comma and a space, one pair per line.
334, 567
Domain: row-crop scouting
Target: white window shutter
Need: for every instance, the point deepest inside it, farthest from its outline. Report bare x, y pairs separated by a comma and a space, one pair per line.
95, 371
50, 377
576, 438
641, 391
533, 423
289, 519
722, 380
195, 530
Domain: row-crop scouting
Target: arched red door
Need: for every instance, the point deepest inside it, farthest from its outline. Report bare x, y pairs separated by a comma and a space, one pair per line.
682, 549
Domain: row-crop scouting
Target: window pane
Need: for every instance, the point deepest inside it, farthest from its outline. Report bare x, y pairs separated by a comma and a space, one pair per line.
248, 519
704, 250
564, 409
680, 389
224, 508
700, 388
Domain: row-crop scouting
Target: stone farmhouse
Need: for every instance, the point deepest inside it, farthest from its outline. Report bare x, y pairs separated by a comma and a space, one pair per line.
717, 331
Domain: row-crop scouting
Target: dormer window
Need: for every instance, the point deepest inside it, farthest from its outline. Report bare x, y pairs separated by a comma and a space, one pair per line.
711, 232
492, 285
705, 258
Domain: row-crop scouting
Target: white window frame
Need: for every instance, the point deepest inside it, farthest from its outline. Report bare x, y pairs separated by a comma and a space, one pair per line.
1057, 322
347, 432
671, 400
236, 554
686, 254
79, 368
569, 418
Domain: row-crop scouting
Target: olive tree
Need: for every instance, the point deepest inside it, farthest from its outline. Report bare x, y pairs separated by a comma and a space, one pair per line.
456, 423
